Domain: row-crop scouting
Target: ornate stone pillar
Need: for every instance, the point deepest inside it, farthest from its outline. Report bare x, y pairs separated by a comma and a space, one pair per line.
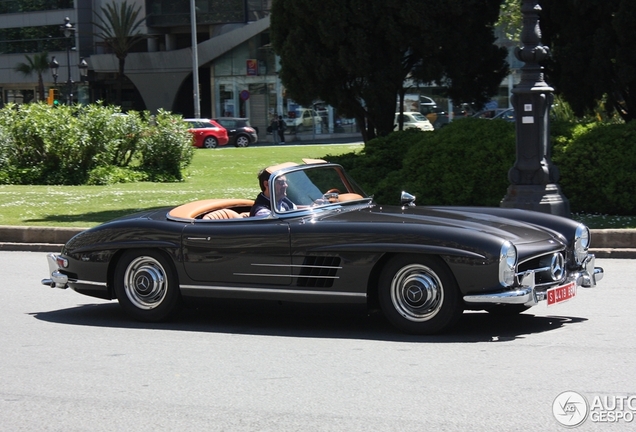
533, 177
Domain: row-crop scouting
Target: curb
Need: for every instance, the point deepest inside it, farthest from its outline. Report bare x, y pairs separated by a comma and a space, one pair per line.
608, 243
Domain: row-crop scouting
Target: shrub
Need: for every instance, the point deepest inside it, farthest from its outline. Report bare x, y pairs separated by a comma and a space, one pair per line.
48, 148
166, 148
466, 164
597, 168
80, 144
380, 158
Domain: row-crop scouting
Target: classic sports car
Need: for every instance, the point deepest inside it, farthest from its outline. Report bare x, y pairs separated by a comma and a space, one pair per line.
423, 266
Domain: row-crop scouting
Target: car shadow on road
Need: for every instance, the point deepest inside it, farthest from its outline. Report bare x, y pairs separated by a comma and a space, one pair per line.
310, 321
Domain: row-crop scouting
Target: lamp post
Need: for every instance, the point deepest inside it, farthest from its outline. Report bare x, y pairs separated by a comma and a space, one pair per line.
68, 31
533, 177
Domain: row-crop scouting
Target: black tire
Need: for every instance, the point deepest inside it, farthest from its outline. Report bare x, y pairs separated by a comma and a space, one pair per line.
507, 310
146, 285
210, 142
242, 141
419, 294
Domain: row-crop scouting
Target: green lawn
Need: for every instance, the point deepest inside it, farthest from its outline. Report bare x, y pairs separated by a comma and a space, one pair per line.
219, 173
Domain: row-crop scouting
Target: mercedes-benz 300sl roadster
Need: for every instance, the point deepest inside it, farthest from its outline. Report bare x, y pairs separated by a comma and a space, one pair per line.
422, 266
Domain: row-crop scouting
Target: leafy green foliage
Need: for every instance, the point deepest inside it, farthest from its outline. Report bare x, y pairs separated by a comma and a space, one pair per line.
376, 167
593, 46
120, 24
356, 54
164, 154
597, 167
92, 144
36, 65
466, 163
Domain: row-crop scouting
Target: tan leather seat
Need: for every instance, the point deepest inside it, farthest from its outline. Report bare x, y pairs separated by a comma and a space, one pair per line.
195, 209
222, 214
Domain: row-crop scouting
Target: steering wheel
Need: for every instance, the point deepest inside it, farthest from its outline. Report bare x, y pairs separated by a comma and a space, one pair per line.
332, 191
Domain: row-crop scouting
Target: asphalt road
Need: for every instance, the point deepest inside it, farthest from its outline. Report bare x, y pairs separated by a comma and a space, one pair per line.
73, 363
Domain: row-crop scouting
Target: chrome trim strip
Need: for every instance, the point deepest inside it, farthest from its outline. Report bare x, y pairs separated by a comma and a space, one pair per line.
285, 275
296, 266
530, 258
87, 282
274, 290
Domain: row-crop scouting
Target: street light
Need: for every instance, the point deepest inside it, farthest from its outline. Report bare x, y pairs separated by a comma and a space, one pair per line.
54, 66
534, 179
68, 31
83, 67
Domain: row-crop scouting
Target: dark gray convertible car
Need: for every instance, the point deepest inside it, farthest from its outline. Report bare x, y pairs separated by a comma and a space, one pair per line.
422, 266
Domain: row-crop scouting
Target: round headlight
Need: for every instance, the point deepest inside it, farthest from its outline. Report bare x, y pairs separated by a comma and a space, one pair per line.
507, 264
581, 243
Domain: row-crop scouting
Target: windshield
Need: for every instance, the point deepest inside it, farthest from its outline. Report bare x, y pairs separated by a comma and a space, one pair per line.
418, 117
316, 186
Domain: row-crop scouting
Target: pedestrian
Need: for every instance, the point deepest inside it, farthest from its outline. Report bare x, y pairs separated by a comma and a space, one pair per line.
281, 129
274, 126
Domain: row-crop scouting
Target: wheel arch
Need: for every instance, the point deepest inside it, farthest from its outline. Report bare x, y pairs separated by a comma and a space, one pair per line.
373, 283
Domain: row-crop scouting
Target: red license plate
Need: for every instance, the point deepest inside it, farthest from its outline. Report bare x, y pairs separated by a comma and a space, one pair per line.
562, 293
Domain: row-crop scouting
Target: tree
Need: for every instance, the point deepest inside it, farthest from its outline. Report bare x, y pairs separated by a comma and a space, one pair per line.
120, 31
593, 46
38, 65
356, 55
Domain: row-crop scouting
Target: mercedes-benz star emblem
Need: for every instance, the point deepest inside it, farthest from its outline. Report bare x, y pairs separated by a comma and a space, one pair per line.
557, 266
414, 294
143, 283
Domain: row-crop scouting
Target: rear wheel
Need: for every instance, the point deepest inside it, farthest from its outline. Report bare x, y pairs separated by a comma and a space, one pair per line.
419, 295
242, 141
210, 142
146, 285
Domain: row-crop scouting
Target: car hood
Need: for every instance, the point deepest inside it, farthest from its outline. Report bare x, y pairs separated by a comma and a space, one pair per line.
454, 218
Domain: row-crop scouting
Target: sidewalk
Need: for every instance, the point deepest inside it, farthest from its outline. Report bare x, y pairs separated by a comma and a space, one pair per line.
607, 243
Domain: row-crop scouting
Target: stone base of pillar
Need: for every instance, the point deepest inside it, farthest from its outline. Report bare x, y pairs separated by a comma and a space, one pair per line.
542, 198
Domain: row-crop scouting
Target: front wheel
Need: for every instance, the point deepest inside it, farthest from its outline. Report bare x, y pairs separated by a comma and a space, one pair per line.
210, 142
146, 286
419, 294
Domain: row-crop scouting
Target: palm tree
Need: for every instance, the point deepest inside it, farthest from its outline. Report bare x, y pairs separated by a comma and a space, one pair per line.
38, 64
120, 31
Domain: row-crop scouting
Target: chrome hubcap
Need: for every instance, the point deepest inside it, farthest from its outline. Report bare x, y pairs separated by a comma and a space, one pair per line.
416, 293
145, 282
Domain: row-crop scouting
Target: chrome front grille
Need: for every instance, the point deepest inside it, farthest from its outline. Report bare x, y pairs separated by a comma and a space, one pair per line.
549, 269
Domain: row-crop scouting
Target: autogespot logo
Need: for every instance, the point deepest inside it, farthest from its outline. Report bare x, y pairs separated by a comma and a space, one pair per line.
570, 409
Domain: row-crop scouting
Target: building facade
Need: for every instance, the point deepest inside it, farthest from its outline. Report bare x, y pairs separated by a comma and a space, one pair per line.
236, 66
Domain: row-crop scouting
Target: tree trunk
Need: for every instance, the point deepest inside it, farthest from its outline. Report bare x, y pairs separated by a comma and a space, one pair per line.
120, 80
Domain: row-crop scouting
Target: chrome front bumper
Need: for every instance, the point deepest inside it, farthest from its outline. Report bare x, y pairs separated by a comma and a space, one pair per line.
527, 295
58, 279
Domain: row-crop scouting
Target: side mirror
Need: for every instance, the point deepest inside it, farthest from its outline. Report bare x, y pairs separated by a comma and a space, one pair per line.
406, 199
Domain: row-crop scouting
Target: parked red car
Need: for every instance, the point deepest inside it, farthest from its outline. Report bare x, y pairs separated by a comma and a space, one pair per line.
207, 133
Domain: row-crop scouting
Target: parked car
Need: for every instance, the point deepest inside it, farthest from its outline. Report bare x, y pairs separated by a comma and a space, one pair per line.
207, 133
414, 120
507, 115
423, 266
302, 119
239, 130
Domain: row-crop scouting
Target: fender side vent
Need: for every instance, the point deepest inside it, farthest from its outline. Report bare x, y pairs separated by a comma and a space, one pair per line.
318, 271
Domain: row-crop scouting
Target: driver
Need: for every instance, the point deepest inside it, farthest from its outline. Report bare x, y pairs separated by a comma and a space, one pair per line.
262, 204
